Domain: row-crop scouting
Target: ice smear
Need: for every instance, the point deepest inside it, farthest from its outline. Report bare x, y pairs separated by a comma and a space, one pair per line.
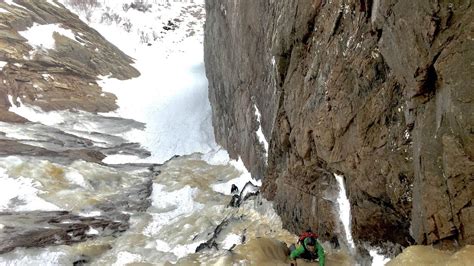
92, 231
125, 258
231, 240
21, 194
345, 211
378, 259
35, 257
179, 250
168, 205
260, 135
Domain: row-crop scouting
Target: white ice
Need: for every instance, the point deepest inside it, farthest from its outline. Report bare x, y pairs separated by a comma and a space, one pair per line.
178, 250
260, 135
231, 240
92, 231
345, 211
34, 257
169, 205
75, 177
24, 191
377, 259
125, 258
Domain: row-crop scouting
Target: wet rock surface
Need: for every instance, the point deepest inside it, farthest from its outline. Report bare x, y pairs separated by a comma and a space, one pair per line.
378, 91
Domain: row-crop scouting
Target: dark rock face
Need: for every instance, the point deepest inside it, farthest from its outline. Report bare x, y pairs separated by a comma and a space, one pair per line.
234, 43
379, 91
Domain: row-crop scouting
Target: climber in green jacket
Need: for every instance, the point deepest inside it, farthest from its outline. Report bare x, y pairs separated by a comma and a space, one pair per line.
310, 249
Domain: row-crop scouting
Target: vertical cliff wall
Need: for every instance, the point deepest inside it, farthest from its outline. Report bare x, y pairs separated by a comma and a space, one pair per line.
378, 91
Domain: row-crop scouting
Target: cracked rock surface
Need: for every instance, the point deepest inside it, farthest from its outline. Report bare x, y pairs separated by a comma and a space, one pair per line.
378, 91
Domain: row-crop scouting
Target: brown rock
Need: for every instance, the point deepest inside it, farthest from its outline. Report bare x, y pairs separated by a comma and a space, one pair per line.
63, 77
382, 96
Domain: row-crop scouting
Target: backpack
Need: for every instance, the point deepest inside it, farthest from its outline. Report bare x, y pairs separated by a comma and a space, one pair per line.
306, 234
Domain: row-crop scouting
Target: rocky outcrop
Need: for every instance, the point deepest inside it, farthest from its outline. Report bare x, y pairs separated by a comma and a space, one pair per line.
63, 77
60, 78
378, 91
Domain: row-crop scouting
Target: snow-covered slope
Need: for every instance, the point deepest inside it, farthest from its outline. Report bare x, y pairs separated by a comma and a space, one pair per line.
170, 96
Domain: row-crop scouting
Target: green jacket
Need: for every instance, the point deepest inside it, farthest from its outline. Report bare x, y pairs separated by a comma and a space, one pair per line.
303, 253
